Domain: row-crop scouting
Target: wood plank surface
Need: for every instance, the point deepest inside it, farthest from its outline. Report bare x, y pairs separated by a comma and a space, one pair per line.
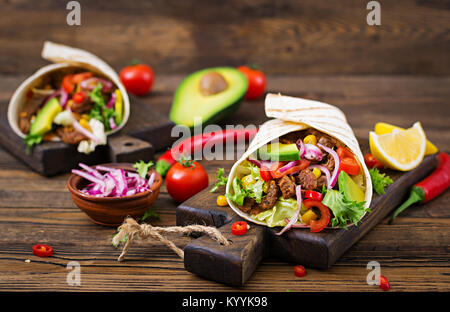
283, 37
413, 252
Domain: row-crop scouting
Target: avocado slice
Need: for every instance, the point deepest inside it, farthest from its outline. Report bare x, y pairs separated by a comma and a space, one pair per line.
208, 100
278, 152
350, 189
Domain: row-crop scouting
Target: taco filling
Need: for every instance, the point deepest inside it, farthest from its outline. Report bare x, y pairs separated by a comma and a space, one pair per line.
305, 179
73, 107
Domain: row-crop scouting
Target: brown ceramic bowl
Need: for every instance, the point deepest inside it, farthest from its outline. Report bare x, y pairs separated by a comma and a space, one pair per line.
111, 211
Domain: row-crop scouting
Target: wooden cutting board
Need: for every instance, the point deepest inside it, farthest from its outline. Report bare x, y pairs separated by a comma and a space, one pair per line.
235, 264
145, 132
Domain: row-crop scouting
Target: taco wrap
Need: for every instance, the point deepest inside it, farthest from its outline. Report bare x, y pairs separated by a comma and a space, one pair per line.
303, 169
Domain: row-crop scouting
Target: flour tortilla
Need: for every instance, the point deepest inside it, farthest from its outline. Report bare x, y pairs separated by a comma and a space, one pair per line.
294, 114
64, 57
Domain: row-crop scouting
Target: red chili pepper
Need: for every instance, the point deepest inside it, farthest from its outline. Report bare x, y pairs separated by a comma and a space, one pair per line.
372, 162
198, 142
41, 250
299, 271
313, 195
384, 283
433, 185
78, 97
320, 224
239, 228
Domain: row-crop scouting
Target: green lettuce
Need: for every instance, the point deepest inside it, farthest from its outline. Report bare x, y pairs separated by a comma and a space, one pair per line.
344, 211
239, 193
284, 208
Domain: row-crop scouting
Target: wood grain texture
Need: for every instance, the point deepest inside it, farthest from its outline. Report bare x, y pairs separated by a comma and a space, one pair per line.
413, 252
283, 37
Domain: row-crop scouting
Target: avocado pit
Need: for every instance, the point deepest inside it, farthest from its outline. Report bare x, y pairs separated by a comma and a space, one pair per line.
212, 83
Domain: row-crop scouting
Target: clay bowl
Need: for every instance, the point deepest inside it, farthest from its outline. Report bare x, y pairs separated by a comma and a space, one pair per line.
111, 211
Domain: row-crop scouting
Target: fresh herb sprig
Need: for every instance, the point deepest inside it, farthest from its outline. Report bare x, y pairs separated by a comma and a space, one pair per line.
379, 181
221, 180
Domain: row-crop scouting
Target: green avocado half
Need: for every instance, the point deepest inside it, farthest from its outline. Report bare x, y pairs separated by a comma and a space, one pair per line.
191, 105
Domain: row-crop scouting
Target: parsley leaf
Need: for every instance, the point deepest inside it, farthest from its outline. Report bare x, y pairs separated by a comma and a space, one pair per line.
221, 180
150, 213
142, 167
379, 181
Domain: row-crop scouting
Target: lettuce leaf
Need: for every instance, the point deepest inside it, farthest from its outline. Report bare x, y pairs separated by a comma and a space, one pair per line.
379, 181
344, 211
239, 193
284, 208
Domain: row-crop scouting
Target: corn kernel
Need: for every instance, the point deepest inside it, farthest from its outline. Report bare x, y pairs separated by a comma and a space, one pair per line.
310, 139
317, 172
84, 123
222, 201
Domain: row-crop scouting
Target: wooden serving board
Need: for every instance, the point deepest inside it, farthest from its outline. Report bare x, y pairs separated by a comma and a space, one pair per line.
235, 264
145, 132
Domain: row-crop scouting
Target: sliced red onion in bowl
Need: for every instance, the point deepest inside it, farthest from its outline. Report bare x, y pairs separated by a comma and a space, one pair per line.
298, 193
337, 163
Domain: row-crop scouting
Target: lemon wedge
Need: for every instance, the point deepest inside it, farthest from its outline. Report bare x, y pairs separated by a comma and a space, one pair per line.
401, 149
383, 128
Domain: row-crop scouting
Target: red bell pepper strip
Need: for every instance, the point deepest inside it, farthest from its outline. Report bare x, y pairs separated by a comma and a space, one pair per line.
198, 142
313, 195
318, 225
239, 228
430, 187
41, 250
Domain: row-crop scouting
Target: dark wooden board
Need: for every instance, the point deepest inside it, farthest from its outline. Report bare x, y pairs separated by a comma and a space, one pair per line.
235, 264
145, 132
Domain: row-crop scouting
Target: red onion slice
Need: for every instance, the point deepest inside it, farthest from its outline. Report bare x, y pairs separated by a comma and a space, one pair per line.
91, 83
254, 162
112, 101
324, 170
312, 152
337, 163
298, 193
83, 131
88, 176
301, 148
289, 165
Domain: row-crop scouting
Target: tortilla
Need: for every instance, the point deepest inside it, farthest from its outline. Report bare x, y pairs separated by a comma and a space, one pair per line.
64, 57
293, 114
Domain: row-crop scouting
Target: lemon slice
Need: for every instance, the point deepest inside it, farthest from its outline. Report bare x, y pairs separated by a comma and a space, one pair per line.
401, 149
383, 128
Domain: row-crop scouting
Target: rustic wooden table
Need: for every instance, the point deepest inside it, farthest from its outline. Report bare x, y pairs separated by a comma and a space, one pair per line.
413, 253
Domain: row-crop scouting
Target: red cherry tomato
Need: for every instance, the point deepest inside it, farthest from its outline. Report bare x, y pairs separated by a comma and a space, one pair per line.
137, 79
299, 271
239, 228
185, 180
372, 162
320, 224
384, 283
313, 195
256, 82
41, 250
78, 97
265, 173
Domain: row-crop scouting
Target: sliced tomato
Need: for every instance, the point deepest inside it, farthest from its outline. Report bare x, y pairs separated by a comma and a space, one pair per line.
320, 224
265, 173
68, 84
41, 250
372, 162
276, 174
239, 228
299, 271
344, 152
77, 78
349, 165
313, 195
384, 283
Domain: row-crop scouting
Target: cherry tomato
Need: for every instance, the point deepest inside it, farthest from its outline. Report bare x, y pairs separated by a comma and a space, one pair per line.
372, 162
239, 228
265, 173
299, 271
78, 97
41, 250
137, 79
256, 82
185, 180
349, 165
313, 195
318, 225
384, 283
